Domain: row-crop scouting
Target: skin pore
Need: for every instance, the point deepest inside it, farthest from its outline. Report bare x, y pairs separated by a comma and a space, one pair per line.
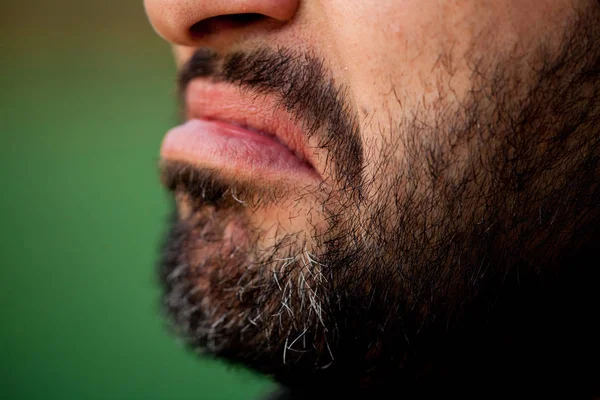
449, 240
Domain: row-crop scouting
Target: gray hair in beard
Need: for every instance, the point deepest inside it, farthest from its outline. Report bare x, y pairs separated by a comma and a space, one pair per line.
421, 275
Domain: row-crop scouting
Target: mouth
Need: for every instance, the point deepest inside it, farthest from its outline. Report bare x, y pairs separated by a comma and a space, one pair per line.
241, 136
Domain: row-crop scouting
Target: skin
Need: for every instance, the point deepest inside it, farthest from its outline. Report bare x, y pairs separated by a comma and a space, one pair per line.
459, 251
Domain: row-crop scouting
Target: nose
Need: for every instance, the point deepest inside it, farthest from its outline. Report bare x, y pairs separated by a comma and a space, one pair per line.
190, 22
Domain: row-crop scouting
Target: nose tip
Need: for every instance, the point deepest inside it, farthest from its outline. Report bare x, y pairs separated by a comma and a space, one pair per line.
188, 22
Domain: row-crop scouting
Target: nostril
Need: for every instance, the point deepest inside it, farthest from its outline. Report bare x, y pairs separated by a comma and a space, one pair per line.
222, 22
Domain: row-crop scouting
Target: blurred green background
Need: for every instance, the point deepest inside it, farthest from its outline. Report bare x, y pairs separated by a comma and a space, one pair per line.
87, 92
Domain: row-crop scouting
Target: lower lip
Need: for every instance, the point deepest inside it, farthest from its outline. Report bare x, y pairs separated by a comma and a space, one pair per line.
233, 150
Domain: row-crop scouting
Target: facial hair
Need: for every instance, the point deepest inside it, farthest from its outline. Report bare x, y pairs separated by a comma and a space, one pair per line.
441, 267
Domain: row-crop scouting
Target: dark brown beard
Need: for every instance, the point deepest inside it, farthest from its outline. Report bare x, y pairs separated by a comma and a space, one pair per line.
436, 278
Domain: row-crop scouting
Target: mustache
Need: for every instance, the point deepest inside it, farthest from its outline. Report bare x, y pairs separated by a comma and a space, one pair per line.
303, 87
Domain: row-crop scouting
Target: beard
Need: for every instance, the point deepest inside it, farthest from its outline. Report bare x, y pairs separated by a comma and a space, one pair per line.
465, 257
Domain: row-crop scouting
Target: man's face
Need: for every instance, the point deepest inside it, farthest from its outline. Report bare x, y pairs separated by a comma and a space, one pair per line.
359, 182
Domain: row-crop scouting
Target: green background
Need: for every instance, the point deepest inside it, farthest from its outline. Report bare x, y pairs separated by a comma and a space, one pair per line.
87, 92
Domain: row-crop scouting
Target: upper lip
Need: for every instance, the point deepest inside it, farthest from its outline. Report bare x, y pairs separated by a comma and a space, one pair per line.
260, 113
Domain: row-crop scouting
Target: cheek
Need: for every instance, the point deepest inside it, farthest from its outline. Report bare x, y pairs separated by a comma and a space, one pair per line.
413, 44
390, 56
410, 59
392, 42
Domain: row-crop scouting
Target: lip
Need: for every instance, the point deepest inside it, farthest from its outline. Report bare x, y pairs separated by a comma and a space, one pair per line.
238, 134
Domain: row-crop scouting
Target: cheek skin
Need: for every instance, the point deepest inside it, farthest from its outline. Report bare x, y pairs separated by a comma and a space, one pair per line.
389, 53
400, 57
